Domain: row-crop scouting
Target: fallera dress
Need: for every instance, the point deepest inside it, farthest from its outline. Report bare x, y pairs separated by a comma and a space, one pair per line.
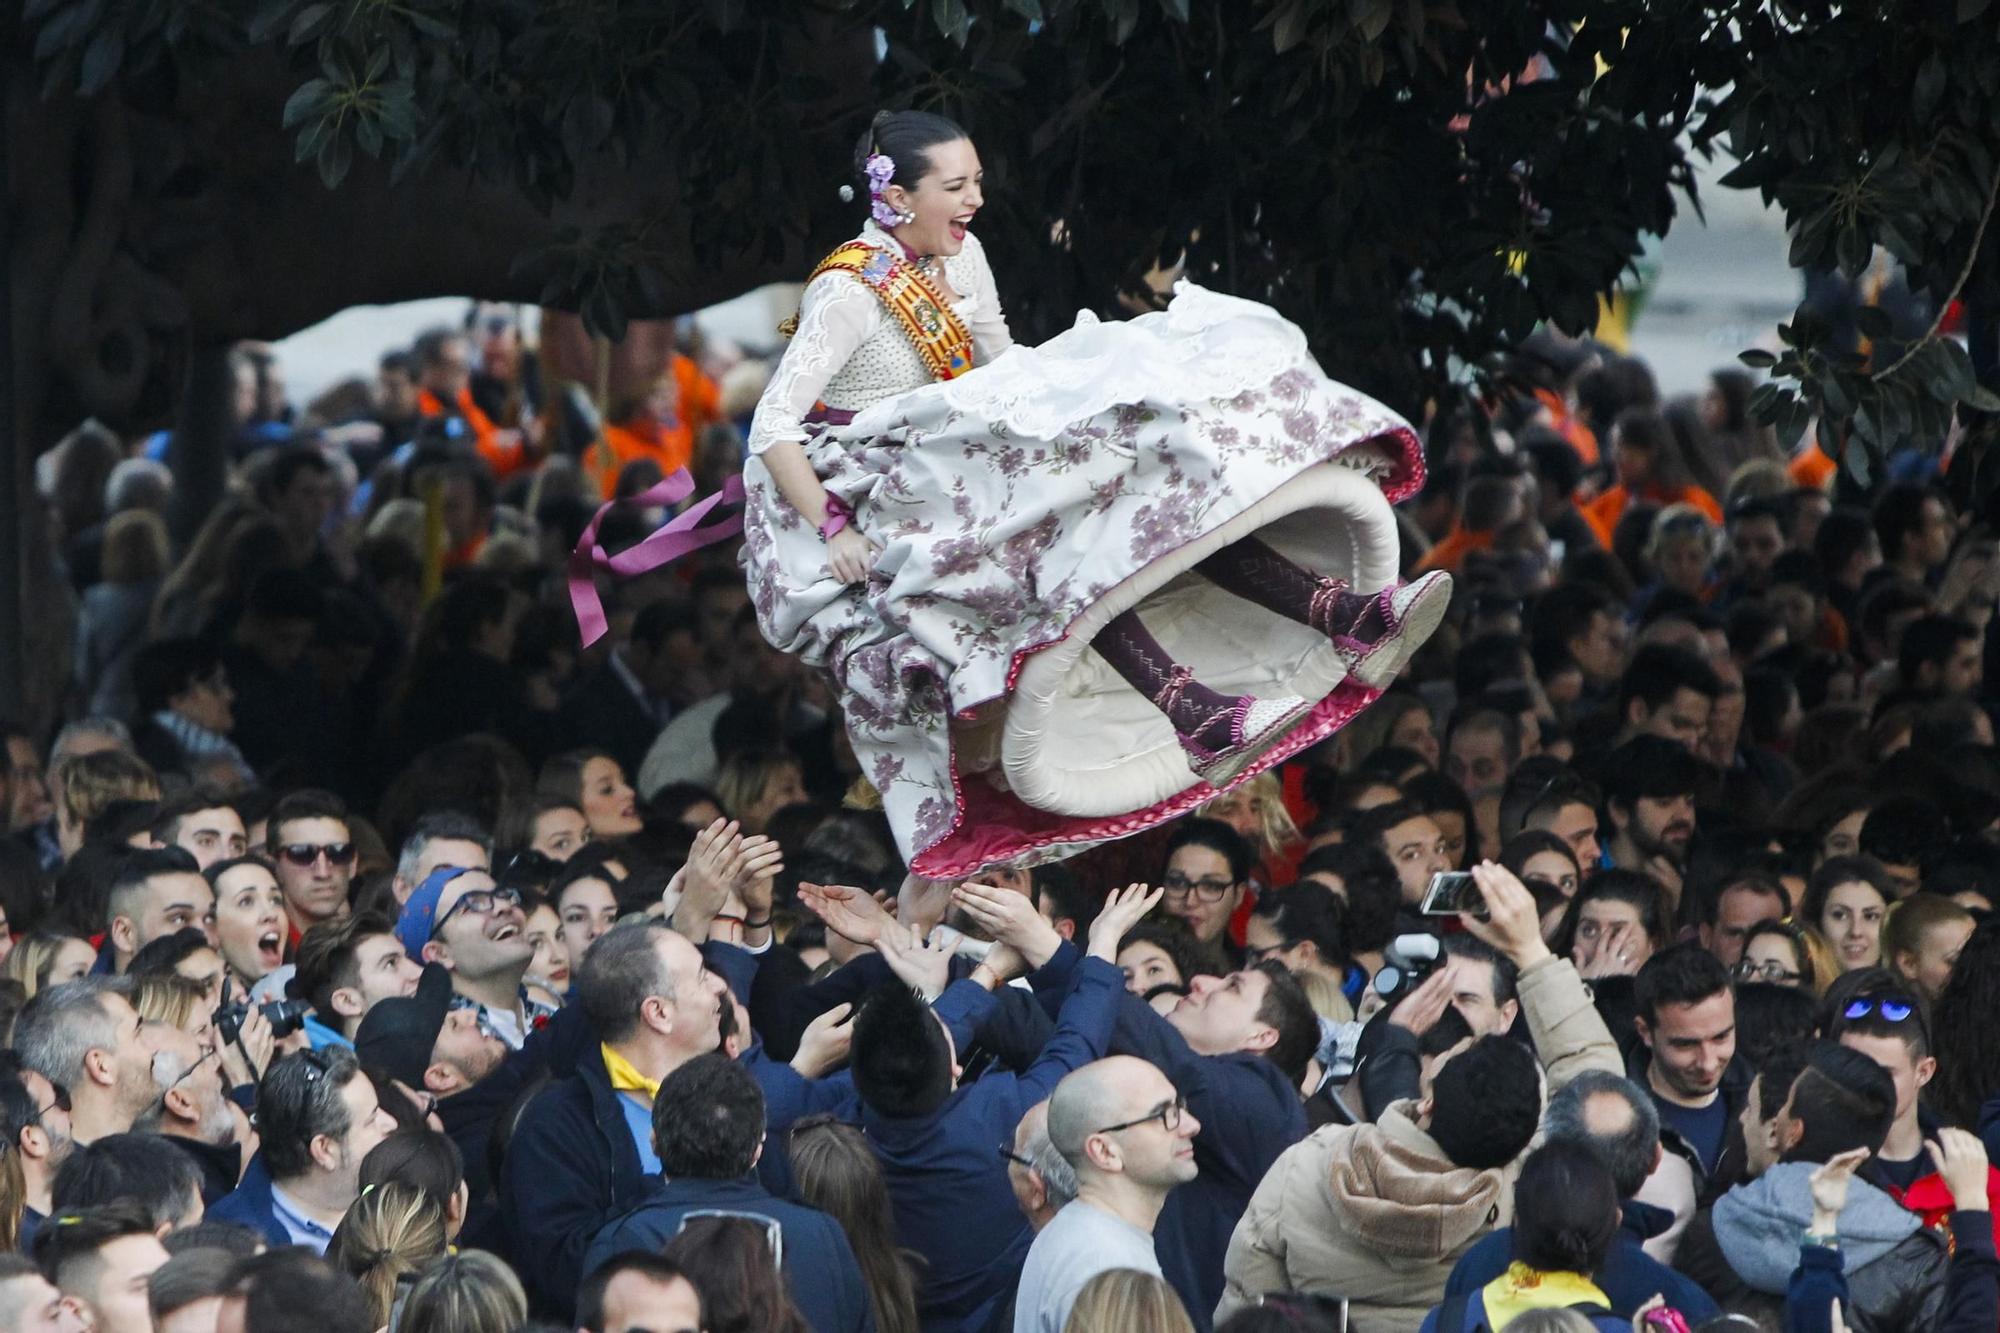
1021, 498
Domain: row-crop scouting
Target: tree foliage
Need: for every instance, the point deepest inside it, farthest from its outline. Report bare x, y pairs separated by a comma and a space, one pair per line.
1417, 182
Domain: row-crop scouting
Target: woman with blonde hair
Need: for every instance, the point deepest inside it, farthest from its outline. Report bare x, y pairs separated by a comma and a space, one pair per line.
1257, 811
1681, 547
85, 785
1125, 1300
390, 1231
468, 1292
46, 958
178, 1002
756, 784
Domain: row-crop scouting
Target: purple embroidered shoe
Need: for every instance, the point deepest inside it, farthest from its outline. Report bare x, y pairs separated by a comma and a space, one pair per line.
1391, 626
1254, 726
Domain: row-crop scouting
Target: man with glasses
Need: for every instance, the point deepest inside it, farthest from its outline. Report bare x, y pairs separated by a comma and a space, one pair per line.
1044, 1182
193, 1109
708, 1131
84, 1036
1129, 1136
317, 1117
312, 850
34, 1118
463, 921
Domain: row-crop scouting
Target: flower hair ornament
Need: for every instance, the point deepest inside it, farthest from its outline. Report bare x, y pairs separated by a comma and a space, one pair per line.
880, 169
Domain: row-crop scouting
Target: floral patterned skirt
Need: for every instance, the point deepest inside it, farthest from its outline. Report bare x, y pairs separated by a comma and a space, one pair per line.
1010, 504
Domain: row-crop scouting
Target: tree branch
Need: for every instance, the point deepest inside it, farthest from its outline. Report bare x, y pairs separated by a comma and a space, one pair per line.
1944, 305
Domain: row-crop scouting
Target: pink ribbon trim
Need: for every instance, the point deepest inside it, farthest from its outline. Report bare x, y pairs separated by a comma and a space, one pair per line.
677, 537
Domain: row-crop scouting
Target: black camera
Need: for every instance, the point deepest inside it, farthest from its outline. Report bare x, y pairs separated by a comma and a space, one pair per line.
286, 1017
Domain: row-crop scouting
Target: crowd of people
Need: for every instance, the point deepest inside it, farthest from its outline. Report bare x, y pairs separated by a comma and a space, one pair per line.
378, 957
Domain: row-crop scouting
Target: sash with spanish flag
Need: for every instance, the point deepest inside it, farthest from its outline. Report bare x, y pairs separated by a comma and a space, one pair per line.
911, 299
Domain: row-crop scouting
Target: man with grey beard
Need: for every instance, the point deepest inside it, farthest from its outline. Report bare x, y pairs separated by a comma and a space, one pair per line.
193, 1110
34, 1121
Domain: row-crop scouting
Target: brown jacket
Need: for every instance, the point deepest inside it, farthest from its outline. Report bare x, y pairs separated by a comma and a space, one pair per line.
1375, 1213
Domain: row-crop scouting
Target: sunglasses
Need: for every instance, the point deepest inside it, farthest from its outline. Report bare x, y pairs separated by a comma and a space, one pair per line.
774, 1233
306, 854
1893, 1008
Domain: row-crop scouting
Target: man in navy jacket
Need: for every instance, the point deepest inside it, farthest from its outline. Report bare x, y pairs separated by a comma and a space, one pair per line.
1236, 1048
708, 1129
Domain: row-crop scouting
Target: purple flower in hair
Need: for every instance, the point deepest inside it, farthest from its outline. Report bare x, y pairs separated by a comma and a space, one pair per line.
880, 169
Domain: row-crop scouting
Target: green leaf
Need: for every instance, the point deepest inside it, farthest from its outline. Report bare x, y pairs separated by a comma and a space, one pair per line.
309, 99
100, 61
1177, 10
307, 24
1031, 10
1968, 10
334, 160
1758, 359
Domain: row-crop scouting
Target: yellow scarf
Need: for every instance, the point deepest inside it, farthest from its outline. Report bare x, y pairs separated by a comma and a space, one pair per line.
1521, 1289
626, 1078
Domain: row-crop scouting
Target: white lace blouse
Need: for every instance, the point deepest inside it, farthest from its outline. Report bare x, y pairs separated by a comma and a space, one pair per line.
850, 354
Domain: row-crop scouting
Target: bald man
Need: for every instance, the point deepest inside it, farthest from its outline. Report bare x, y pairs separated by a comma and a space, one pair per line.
1043, 1182
1127, 1132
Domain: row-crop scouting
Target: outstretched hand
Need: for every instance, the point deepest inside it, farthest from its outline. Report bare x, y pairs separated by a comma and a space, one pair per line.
823, 1045
1011, 919
849, 912
923, 965
1121, 911
1419, 1011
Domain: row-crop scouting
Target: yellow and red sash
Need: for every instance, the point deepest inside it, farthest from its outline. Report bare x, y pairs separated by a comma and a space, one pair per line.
934, 328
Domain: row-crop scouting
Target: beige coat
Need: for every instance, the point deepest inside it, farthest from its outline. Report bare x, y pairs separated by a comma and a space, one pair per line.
1377, 1213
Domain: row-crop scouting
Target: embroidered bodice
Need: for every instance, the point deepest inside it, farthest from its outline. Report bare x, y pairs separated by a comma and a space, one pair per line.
850, 354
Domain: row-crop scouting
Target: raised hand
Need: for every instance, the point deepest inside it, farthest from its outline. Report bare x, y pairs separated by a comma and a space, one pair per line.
849, 912
922, 965
823, 1045
1512, 924
922, 902
1610, 955
1121, 911
760, 862
1010, 918
711, 873
1829, 1184
1419, 1011
1961, 1160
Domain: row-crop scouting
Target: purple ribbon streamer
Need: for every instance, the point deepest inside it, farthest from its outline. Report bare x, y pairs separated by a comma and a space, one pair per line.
680, 535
